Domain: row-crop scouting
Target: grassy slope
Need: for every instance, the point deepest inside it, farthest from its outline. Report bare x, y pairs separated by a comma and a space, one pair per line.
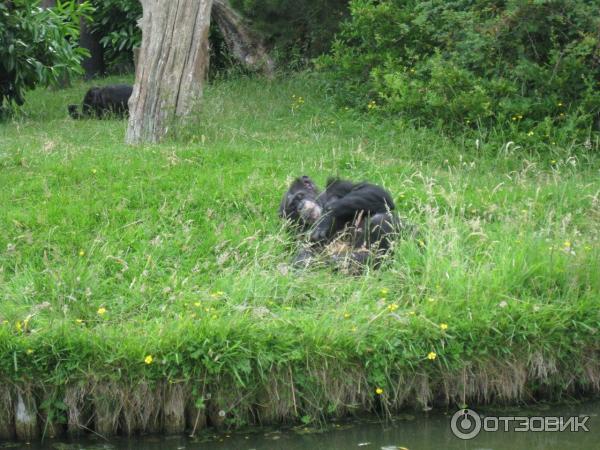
181, 245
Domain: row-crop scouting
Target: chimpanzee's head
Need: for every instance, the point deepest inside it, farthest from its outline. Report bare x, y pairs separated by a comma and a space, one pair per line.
73, 112
300, 204
91, 101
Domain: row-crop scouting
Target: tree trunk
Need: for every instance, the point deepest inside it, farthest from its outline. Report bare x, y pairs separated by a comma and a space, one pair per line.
94, 64
172, 67
244, 45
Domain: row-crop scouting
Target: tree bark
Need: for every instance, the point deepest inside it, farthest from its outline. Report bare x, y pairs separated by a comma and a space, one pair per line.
94, 64
244, 45
173, 66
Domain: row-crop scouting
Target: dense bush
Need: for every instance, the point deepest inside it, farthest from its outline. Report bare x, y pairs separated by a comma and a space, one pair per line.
115, 24
295, 31
471, 62
37, 46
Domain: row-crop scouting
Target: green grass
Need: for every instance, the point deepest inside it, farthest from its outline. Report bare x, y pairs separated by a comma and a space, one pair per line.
180, 243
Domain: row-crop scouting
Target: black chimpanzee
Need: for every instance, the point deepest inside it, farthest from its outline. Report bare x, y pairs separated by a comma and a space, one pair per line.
103, 101
354, 222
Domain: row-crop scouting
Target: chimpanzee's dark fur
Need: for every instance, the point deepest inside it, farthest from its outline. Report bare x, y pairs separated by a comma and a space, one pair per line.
300, 204
354, 221
104, 101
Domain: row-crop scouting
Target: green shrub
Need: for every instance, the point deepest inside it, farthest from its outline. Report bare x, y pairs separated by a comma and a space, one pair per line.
115, 23
469, 63
37, 46
296, 31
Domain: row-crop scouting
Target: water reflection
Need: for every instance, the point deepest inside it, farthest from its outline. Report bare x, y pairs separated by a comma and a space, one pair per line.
413, 432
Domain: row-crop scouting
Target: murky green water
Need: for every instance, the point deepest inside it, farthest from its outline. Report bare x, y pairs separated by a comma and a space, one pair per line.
414, 432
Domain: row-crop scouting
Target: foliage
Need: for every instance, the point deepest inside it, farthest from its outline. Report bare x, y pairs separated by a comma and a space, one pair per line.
465, 63
296, 31
37, 46
115, 23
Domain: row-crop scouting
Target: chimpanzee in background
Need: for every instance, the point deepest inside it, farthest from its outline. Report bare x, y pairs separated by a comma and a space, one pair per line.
351, 223
104, 101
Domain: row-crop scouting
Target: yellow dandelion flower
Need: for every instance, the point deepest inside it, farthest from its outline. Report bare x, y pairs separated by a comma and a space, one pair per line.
148, 359
421, 243
379, 391
197, 303
431, 356
393, 307
519, 116
530, 133
347, 315
443, 326
514, 117
29, 351
553, 161
94, 171
101, 311
81, 253
19, 326
79, 321
567, 243
384, 291
560, 103
217, 294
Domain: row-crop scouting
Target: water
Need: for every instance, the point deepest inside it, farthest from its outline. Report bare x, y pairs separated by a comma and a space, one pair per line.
413, 432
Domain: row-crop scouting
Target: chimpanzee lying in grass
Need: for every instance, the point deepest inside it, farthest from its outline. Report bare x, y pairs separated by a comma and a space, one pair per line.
100, 102
351, 223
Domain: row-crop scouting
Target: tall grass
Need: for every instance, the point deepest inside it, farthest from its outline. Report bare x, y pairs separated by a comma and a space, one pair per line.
110, 254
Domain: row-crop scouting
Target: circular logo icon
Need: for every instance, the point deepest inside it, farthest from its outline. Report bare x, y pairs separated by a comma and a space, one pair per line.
465, 424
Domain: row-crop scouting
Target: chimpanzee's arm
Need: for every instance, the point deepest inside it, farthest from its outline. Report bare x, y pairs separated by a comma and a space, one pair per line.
364, 197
